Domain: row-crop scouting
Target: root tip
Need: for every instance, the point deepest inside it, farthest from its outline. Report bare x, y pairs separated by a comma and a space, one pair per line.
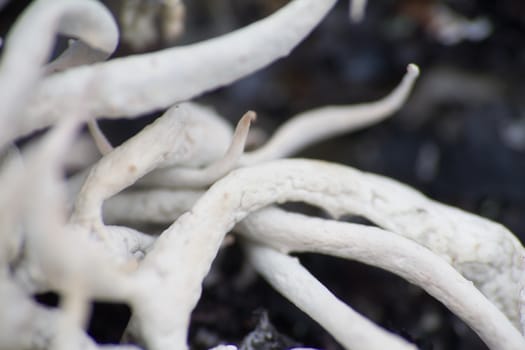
413, 69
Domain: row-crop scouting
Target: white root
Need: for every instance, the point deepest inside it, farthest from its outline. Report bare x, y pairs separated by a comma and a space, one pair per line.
292, 280
158, 206
102, 143
357, 10
29, 44
30, 326
49, 241
299, 132
196, 236
82, 153
289, 232
138, 84
77, 54
522, 297
167, 141
198, 178
482, 251
319, 124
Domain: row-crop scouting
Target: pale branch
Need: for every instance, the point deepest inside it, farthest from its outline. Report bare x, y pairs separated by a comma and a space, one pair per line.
291, 279
42, 215
29, 44
152, 206
77, 54
169, 140
322, 123
177, 177
134, 85
357, 10
196, 236
522, 298
102, 143
47, 240
290, 232
82, 153
299, 132
26, 325
482, 251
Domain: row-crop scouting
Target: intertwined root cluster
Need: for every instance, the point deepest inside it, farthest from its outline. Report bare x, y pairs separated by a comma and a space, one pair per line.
188, 169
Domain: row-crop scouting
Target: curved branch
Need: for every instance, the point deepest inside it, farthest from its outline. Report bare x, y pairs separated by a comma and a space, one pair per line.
194, 239
77, 53
173, 138
159, 206
27, 325
289, 232
48, 241
291, 279
138, 84
29, 45
319, 124
195, 178
100, 140
357, 10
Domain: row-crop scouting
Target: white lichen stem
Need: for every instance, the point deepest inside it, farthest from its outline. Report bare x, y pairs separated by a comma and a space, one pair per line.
29, 45
157, 206
522, 295
196, 236
102, 143
322, 123
482, 251
290, 232
164, 142
135, 85
291, 279
357, 10
177, 177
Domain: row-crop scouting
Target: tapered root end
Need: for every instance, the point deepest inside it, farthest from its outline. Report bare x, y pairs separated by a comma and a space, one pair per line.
357, 10
413, 70
243, 127
250, 116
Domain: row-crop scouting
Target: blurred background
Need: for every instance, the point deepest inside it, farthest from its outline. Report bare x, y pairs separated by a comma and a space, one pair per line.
460, 139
